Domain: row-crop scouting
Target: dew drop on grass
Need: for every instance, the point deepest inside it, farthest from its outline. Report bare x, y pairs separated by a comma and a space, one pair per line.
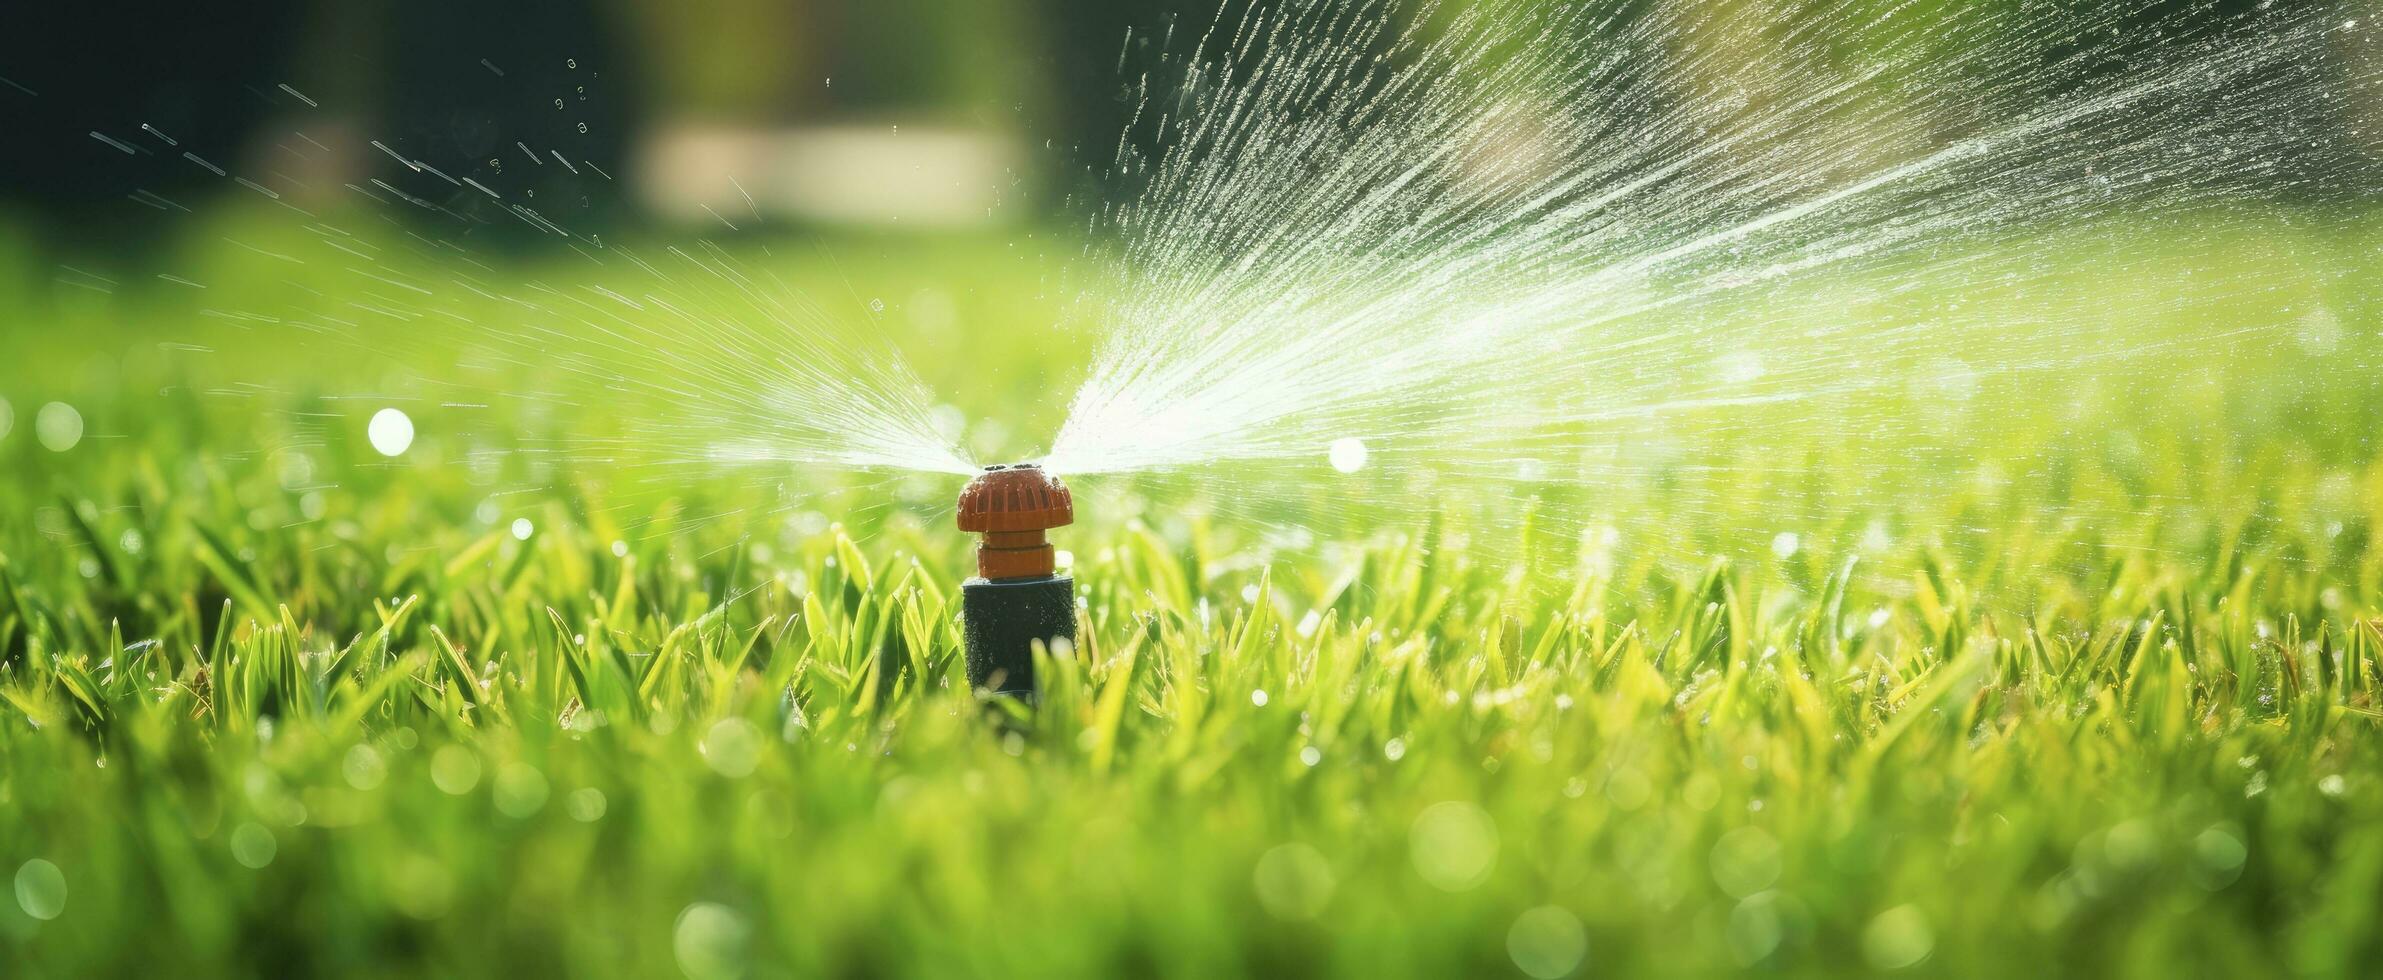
58, 426
41, 889
390, 432
522, 528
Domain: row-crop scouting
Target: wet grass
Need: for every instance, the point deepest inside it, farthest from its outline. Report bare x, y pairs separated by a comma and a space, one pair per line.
271, 704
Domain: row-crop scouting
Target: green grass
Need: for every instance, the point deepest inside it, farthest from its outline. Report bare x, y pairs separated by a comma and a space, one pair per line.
342, 722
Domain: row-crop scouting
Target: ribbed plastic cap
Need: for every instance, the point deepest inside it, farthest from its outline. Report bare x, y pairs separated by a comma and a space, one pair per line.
1017, 497
1012, 506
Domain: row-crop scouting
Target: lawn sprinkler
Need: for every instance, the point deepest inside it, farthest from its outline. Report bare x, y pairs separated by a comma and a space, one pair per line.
1017, 598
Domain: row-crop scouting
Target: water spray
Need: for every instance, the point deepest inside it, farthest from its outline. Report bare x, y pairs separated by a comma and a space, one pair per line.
1017, 599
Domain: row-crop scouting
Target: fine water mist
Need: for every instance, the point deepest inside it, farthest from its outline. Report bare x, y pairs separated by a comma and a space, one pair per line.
1590, 246
1577, 243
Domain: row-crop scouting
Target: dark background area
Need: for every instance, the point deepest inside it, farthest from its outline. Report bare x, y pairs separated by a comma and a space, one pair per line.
472, 86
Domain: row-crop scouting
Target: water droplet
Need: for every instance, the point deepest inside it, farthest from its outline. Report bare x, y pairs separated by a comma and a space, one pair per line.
522, 528
390, 432
1348, 455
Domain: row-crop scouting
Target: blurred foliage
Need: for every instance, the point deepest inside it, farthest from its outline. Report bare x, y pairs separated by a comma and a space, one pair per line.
441, 78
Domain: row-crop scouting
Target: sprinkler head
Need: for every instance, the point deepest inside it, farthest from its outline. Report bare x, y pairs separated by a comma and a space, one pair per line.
1017, 605
1012, 505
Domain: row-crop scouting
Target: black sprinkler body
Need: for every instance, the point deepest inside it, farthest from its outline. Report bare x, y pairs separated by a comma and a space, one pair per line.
1017, 599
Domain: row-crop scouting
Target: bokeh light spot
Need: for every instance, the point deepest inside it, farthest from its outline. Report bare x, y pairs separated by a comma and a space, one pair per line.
41, 889
390, 432
1899, 937
1293, 882
58, 426
710, 941
1454, 845
1348, 455
254, 846
1547, 942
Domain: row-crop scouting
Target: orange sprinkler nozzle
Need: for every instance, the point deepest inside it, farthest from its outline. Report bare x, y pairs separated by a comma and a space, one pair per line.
1012, 506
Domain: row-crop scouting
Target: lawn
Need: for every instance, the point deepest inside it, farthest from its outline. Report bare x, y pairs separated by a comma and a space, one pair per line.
273, 704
